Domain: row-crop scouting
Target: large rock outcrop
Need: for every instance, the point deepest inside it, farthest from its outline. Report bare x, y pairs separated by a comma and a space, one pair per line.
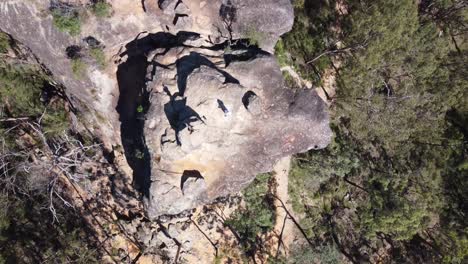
218, 110
218, 119
96, 91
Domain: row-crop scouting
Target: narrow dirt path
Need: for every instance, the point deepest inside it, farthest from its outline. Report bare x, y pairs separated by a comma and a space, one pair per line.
297, 78
284, 229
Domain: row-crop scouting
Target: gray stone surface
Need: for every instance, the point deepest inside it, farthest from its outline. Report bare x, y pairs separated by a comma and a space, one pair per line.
264, 20
225, 120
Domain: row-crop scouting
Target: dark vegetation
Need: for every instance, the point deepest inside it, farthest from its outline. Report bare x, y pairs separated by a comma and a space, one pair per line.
66, 18
92, 51
395, 176
309, 37
37, 225
81, 58
4, 43
257, 217
97, 53
101, 8
69, 18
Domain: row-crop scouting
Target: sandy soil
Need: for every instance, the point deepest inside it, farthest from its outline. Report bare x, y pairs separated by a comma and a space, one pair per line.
285, 230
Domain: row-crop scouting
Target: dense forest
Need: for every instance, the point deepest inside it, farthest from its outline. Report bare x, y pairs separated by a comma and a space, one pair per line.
390, 188
392, 185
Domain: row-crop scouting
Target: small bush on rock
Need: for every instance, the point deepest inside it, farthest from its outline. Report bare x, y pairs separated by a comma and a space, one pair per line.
255, 37
101, 9
69, 22
78, 68
4, 42
98, 55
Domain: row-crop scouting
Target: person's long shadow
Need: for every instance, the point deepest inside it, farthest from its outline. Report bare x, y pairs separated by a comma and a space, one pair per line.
179, 114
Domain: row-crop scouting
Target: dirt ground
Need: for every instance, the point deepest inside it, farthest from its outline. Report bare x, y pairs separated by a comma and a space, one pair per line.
285, 231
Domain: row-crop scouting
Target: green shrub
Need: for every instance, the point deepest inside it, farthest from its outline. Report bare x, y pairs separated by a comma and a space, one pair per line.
140, 109
257, 217
309, 37
139, 154
55, 122
289, 81
328, 254
27, 232
458, 252
4, 221
78, 68
64, 241
254, 36
4, 42
20, 90
98, 55
311, 170
101, 9
299, 4
70, 22
397, 152
20, 93
282, 54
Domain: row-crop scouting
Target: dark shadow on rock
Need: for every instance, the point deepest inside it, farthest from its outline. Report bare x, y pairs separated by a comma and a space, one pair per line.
141, 46
183, 36
187, 174
133, 96
73, 52
250, 52
222, 106
134, 100
179, 114
248, 97
176, 18
186, 65
158, 40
